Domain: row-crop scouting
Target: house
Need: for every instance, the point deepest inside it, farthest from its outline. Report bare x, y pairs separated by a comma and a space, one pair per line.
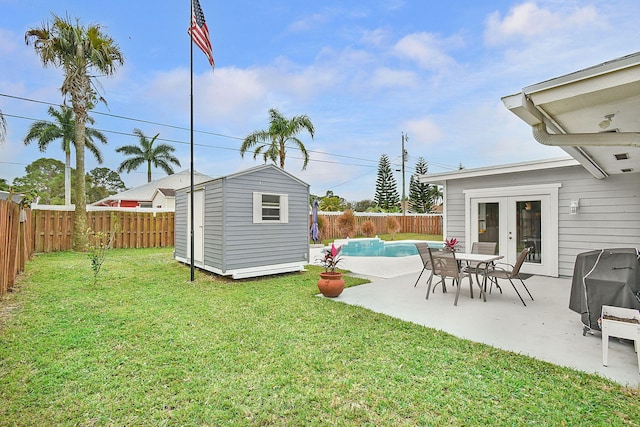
164, 198
251, 223
16, 198
559, 207
154, 194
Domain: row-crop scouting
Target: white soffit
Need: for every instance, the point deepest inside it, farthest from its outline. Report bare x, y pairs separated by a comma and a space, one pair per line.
440, 178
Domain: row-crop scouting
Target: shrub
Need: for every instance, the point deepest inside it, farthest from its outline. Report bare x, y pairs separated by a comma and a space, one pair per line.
393, 226
99, 245
368, 228
347, 224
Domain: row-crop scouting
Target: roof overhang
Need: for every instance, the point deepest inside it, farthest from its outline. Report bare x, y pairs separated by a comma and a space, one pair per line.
592, 114
441, 178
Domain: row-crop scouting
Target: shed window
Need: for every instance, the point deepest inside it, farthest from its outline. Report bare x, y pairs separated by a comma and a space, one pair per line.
270, 208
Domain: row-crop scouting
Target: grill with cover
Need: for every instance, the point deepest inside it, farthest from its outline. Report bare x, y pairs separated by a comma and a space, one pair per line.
604, 277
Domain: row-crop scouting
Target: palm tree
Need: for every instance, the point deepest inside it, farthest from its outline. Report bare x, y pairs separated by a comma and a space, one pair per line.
63, 128
281, 131
77, 50
160, 156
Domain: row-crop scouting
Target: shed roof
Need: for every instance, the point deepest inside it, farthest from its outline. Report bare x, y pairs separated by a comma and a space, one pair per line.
257, 169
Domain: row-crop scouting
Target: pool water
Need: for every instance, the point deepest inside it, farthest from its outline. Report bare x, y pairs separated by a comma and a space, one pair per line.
376, 247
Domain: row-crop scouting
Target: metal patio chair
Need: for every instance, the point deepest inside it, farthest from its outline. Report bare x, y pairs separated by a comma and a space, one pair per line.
511, 274
423, 251
446, 265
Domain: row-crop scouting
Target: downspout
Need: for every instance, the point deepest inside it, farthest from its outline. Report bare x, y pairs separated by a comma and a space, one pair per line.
605, 139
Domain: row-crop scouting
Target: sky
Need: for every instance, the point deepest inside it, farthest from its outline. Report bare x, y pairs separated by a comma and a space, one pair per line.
365, 72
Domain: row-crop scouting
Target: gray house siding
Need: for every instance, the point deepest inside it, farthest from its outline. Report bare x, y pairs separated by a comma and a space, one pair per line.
232, 241
609, 213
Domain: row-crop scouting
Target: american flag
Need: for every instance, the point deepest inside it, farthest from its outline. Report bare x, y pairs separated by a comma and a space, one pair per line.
200, 32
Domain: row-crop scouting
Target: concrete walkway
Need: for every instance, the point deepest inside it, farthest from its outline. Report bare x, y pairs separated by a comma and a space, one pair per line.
545, 329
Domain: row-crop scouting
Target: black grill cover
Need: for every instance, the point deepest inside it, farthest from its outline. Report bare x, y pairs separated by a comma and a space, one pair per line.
605, 277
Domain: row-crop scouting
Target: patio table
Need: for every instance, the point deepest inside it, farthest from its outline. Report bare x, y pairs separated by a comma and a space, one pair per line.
480, 259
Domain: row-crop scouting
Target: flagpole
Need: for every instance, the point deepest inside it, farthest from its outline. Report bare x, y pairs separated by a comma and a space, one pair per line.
191, 233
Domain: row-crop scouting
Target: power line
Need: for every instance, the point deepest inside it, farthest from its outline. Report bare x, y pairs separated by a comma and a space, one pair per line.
177, 128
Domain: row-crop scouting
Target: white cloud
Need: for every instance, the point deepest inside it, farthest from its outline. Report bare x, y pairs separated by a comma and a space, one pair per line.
529, 20
308, 22
377, 37
386, 77
228, 96
427, 50
423, 131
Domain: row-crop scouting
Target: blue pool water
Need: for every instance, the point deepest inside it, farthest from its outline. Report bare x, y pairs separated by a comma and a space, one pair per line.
375, 247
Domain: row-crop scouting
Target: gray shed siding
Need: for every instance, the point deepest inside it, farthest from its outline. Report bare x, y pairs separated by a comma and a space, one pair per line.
214, 224
248, 244
609, 213
181, 225
231, 240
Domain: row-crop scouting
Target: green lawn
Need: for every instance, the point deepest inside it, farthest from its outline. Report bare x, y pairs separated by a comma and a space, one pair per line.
147, 347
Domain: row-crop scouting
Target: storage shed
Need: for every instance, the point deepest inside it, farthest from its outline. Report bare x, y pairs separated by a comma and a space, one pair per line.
251, 223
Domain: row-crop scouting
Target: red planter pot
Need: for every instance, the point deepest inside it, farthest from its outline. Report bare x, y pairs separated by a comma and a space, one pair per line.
331, 284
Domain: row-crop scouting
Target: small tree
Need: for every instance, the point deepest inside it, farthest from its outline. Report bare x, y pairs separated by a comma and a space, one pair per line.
393, 226
99, 244
331, 202
347, 224
368, 228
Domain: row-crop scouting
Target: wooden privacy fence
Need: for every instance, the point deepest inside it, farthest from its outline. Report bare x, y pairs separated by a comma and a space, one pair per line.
421, 223
53, 229
16, 242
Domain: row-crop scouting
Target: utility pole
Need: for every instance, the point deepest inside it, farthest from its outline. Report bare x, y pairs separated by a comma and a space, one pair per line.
404, 159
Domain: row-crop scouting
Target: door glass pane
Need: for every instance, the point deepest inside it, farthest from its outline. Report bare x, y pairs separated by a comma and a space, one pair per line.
528, 229
489, 223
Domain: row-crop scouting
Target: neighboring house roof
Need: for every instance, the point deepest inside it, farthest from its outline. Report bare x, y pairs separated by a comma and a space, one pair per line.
168, 192
147, 191
441, 178
592, 114
16, 198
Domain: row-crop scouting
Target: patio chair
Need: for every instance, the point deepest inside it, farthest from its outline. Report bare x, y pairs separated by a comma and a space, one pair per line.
514, 273
485, 248
423, 251
446, 265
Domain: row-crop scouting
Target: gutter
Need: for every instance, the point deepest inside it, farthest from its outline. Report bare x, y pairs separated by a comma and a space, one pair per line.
605, 139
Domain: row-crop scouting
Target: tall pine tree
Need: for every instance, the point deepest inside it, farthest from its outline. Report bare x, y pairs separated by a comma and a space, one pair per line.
386, 188
420, 194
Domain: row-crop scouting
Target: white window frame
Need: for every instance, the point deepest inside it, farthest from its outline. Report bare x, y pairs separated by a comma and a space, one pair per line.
258, 206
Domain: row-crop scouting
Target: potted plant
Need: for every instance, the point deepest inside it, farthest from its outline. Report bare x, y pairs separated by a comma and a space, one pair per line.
331, 283
451, 245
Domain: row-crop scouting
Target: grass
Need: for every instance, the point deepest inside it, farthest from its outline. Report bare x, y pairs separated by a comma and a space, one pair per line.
147, 347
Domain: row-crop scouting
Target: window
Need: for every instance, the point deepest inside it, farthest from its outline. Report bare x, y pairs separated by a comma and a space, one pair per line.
270, 208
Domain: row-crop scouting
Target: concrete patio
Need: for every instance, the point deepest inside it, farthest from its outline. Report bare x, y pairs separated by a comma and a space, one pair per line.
545, 329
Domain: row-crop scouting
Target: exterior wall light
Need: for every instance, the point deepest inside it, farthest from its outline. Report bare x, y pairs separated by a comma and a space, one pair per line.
574, 207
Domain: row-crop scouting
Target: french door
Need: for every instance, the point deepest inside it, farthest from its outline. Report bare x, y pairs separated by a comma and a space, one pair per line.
524, 218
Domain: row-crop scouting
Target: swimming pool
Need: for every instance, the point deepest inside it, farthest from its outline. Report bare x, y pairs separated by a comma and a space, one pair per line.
377, 247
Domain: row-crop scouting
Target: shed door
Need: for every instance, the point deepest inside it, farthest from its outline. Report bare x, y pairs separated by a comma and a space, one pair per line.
198, 227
